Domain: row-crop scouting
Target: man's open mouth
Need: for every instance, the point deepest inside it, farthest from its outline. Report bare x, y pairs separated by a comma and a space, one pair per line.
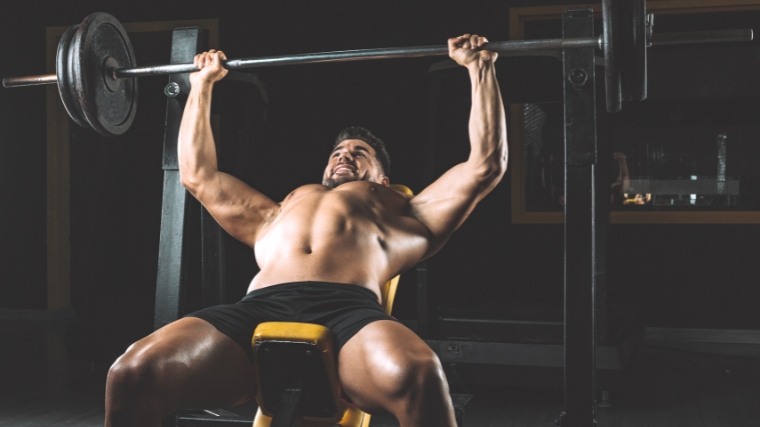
344, 169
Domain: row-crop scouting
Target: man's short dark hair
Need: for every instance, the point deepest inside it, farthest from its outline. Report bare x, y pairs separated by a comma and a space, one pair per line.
362, 134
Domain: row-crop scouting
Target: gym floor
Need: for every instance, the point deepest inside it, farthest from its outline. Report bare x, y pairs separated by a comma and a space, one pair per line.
664, 388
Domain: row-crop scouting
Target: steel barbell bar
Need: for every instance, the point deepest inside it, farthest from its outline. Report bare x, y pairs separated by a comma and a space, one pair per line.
515, 46
323, 57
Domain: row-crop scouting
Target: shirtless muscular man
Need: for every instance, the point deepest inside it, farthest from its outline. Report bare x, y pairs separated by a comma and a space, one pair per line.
324, 253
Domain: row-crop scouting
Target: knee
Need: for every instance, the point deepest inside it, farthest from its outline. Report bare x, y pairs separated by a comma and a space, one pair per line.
132, 378
132, 394
421, 374
421, 397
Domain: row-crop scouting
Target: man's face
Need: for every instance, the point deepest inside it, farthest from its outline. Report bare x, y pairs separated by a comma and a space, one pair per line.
353, 160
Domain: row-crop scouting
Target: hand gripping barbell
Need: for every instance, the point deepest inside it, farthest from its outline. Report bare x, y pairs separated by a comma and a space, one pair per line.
96, 70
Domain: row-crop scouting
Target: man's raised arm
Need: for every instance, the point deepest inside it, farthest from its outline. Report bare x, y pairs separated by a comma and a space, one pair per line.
237, 207
446, 203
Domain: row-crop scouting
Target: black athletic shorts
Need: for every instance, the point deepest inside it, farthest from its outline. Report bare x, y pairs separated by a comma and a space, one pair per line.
344, 309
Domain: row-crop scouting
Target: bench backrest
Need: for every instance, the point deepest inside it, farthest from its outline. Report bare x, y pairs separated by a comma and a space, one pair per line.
389, 289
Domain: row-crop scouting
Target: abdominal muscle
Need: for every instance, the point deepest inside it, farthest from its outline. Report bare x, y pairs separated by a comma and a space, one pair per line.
343, 235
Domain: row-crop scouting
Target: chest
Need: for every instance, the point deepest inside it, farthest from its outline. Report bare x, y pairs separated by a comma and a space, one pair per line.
352, 209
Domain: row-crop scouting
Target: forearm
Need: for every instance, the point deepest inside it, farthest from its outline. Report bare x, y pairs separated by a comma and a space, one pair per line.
196, 149
487, 127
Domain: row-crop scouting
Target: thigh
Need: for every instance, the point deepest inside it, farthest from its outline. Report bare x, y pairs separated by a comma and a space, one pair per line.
192, 365
379, 365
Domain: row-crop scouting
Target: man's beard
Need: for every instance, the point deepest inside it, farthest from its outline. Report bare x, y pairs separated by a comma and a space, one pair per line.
334, 182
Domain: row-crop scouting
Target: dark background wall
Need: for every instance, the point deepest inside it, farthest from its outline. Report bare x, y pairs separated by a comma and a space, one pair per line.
677, 275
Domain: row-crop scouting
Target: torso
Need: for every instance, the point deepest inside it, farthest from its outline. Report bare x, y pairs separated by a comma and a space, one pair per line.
360, 233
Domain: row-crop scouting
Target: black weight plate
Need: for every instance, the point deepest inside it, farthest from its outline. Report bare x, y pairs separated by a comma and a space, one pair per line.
65, 85
99, 44
611, 64
639, 43
625, 46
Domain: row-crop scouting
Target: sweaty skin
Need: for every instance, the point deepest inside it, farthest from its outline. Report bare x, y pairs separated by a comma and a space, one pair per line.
360, 233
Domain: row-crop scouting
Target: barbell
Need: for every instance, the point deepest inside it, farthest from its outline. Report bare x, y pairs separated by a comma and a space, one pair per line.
96, 70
